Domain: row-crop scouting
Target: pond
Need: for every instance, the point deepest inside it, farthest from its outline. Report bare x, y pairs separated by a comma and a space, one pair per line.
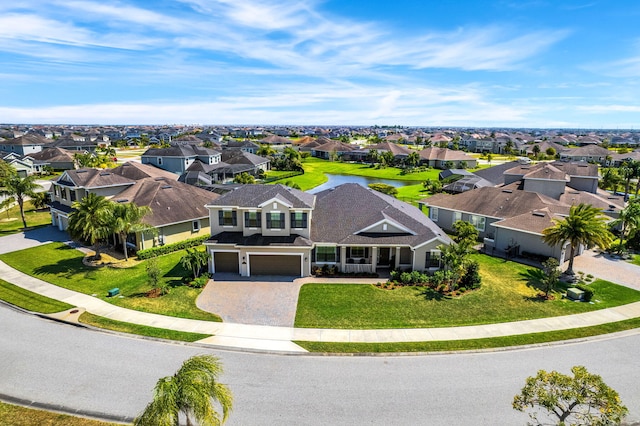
335, 180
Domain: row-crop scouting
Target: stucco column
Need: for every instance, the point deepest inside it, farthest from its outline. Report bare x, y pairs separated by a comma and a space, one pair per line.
374, 258
397, 258
343, 257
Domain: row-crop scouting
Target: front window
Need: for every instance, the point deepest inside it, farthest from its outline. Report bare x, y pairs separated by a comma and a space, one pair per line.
457, 216
159, 161
298, 220
433, 259
325, 254
433, 214
73, 195
275, 220
64, 193
196, 225
478, 222
357, 252
227, 218
252, 220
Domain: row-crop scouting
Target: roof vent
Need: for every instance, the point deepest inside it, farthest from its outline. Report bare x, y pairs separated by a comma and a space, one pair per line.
167, 187
105, 174
508, 191
539, 214
612, 207
81, 171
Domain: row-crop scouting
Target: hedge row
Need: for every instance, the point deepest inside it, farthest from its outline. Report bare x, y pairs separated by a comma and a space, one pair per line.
170, 248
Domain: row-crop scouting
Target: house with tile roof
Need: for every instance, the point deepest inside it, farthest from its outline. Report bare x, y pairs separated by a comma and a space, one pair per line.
274, 229
439, 157
56, 158
587, 153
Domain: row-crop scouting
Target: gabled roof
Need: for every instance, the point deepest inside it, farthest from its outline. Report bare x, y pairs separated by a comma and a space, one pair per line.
542, 171
534, 221
495, 202
28, 139
248, 196
170, 201
276, 140
241, 157
394, 148
94, 178
495, 174
343, 212
601, 200
182, 151
587, 150
136, 171
444, 154
53, 155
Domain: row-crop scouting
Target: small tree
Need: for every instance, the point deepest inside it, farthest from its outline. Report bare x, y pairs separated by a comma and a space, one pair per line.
466, 235
39, 200
194, 260
20, 188
154, 274
193, 391
244, 178
583, 399
551, 269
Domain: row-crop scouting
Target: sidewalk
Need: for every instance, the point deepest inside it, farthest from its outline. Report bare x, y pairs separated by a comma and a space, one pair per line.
280, 339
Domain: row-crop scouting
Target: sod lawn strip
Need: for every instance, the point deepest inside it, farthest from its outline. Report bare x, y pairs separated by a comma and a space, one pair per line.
11, 222
471, 344
508, 293
141, 330
30, 301
61, 265
16, 415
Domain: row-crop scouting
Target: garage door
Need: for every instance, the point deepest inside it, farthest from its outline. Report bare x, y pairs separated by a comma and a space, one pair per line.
226, 262
274, 265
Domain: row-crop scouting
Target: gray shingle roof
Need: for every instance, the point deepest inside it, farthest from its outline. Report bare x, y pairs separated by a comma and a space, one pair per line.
95, 178
254, 195
345, 210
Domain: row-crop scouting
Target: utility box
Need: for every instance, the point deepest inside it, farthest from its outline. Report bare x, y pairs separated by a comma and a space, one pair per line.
575, 293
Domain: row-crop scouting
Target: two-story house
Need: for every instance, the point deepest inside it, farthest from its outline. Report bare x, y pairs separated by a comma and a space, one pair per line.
23, 145
178, 158
277, 230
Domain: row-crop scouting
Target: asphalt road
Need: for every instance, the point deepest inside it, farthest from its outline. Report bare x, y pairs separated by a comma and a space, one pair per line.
60, 364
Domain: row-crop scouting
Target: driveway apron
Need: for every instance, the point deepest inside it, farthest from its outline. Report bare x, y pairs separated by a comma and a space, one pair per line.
32, 238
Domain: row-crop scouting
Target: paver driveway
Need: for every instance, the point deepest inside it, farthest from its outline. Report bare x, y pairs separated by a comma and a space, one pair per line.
266, 300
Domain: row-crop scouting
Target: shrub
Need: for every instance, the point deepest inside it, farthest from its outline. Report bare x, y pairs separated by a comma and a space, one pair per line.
201, 281
170, 248
471, 277
588, 291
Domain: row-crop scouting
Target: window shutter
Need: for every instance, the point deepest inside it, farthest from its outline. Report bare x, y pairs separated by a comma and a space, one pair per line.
281, 220
269, 220
234, 218
304, 220
246, 218
220, 218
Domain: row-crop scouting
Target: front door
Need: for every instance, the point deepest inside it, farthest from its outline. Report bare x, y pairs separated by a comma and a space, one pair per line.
383, 256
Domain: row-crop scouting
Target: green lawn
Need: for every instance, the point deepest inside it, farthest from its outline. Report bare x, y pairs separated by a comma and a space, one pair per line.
507, 294
315, 169
635, 259
61, 265
16, 415
11, 223
30, 301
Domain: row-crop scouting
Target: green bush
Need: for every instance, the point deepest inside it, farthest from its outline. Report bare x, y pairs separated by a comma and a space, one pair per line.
471, 278
201, 281
170, 248
588, 291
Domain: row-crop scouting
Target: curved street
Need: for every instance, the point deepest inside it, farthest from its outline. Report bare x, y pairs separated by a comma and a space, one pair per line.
97, 372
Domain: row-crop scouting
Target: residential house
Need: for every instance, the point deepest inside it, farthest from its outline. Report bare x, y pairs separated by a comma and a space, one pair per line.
76, 143
56, 158
587, 153
331, 148
274, 229
23, 145
178, 158
440, 158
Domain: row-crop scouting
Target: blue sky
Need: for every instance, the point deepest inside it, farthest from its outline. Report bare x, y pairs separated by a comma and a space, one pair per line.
502, 63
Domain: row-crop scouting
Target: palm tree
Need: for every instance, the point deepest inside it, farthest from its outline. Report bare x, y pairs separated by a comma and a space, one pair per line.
629, 219
265, 150
91, 220
413, 159
194, 260
585, 225
127, 218
192, 391
20, 188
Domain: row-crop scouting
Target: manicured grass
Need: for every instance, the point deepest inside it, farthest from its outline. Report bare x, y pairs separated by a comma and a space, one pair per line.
315, 169
142, 330
30, 301
16, 415
61, 265
472, 344
635, 259
11, 223
412, 193
508, 293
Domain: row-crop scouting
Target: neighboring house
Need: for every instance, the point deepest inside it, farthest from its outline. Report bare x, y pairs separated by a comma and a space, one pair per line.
273, 229
136, 171
543, 147
76, 143
399, 152
178, 158
56, 158
244, 145
552, 178
74, 185
439, 157
23, 145
257, 163
330, 148
177, 210
587, 153
618, 159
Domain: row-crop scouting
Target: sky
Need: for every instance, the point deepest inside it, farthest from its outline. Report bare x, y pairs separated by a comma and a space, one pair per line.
484, 63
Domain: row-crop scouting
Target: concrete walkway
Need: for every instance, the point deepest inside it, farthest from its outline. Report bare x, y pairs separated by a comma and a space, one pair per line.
270, 338
607, 267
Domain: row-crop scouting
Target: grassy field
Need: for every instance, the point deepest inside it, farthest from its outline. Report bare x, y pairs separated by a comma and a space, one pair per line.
472, 344
507, 294
315, 169
16, 415
30, 301
11, 223
61, 265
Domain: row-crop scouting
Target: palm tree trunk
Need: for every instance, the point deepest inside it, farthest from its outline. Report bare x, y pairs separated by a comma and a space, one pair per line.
21, 205
569, 270
124, 246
